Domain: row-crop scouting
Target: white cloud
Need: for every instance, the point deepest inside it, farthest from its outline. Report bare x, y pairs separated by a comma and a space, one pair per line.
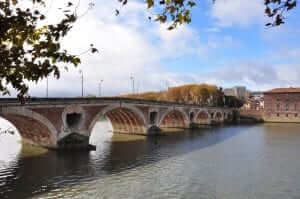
129, 44
238, 12
259, 76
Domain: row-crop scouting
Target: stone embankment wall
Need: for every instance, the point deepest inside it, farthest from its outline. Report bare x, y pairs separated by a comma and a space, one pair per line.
251, 115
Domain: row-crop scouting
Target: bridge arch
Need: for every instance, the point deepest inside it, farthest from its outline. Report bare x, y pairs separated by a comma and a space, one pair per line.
174, 118
124, 119
229, 116
203, 117
32, 126
218, 116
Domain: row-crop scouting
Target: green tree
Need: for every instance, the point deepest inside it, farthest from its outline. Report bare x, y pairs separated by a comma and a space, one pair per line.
29, 51
233, 102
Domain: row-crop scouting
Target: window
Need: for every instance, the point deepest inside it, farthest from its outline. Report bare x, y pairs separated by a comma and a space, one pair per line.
296, 115
287, 115
287, 106
278, 115
278, 107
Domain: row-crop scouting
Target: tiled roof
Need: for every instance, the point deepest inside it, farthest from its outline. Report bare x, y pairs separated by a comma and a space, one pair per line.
284, 90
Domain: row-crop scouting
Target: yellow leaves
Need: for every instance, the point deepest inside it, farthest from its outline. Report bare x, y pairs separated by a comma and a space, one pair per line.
175, 12
161, 18
181, 18
150, 3
76, 61
191, 94
14, 2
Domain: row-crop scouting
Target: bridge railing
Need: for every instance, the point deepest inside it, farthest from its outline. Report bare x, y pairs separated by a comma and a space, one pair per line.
82, 100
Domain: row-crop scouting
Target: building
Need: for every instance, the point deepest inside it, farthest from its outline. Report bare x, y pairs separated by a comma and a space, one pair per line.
257, 95
254, 104
255, 101
282, 105
237, 91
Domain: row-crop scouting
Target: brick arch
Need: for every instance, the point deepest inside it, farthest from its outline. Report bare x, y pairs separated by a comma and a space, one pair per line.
218, 116
229, 115
174, 118
33, 127
203, 117
124, 119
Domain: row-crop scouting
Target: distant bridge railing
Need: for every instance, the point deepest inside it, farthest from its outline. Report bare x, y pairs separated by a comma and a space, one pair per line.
88, 100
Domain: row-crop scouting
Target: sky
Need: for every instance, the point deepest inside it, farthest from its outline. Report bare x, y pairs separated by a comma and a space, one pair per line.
226, 44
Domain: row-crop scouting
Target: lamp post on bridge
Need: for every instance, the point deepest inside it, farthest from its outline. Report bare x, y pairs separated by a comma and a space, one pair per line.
80, 72
100, 87
132, 79
47, 89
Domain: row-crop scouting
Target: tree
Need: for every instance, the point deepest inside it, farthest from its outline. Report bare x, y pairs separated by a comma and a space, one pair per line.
204, 95
233, 102
179, 11
276, 9
29, 51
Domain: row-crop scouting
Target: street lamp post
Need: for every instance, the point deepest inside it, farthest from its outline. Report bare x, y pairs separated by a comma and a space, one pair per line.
80, 71
100, 87
132, 79
47, 89
167, 85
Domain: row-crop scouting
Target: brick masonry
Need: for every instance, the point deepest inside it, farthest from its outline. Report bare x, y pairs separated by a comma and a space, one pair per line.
282, 107
56, 123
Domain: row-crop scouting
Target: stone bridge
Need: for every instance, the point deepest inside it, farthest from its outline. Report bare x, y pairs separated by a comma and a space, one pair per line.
68, 122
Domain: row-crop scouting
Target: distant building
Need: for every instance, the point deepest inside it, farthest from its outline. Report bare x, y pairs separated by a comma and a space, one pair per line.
253, 103
237, 91
257, 95
282, 105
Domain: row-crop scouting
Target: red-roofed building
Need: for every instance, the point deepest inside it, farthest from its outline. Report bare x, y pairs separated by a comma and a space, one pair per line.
282, 105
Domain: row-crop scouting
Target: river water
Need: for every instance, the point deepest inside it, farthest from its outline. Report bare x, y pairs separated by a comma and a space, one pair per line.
242, 162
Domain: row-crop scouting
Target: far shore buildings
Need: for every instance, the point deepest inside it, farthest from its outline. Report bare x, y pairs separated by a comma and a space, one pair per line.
282, 105
276, 105
255, 101
240, 92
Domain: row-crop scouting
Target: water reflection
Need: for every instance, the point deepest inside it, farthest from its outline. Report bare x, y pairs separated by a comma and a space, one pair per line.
226, 162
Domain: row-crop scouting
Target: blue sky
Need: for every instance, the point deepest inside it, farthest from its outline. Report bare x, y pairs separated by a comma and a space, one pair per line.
226, 44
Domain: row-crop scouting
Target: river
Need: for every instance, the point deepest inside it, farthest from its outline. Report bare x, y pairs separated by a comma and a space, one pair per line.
243, 161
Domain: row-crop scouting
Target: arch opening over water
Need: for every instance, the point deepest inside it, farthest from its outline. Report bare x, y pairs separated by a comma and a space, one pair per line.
203, 118
32, 127
10, 141
127, 120
173, 119
218, 116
